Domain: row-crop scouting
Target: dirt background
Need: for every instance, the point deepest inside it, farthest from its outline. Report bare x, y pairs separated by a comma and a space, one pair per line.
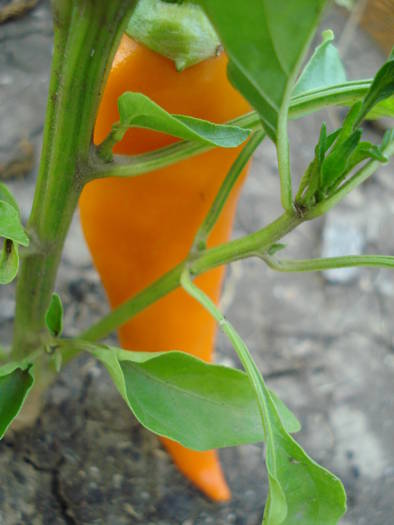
323, 341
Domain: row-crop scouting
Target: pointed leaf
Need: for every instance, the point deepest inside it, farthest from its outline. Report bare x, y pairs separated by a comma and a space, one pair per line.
324, 69
301, 491
54, 316
200, 405
265, 47
15, 384
137, 110
336, 163
6, 195
382, 88
366, 150
10, 224
9, 262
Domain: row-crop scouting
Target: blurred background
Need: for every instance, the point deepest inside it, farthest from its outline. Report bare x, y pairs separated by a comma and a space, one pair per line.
323, 341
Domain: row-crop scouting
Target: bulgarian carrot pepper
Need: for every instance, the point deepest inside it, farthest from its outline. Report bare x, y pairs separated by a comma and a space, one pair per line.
139, 228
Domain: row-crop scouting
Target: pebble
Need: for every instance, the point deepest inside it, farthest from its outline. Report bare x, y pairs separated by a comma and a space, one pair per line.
342, 236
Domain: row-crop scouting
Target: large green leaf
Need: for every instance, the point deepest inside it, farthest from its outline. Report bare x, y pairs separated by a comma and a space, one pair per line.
15, 384
300, 490
200, 405
137, 110
324, 69
265, 41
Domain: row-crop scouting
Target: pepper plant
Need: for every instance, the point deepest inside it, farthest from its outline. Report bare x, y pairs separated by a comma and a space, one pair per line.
266, 44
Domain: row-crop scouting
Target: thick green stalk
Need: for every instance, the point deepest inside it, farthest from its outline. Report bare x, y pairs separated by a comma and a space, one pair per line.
86, 36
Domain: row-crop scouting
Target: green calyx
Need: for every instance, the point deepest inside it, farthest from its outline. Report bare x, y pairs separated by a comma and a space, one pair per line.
179, 31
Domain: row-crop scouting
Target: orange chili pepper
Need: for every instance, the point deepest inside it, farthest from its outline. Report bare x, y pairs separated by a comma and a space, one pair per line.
139, 228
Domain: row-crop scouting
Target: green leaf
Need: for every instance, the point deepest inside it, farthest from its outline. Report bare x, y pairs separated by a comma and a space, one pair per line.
276, 247
10, 224
9, 262
15, 384
265, 43
300, 491
176, 395
324, 69
54, 316
366, 150
6, 195
382, 88
336, 163
137, 110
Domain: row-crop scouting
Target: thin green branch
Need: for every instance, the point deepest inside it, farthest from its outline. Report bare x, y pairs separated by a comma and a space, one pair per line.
125, 166
133, 306
104, 150
237, 342
283, 153
235, 171
250, 245
328, 263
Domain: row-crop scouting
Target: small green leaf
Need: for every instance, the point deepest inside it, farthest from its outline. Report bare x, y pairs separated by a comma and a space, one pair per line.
15, 384
336, 163
137, 110
10, 224
9, 262
6, 195
324, 69
54, 316
276, 247
349, 124
176, 395
365, 150
382, 88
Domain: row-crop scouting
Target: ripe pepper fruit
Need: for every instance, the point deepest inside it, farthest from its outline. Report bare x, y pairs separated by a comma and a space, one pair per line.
139, 228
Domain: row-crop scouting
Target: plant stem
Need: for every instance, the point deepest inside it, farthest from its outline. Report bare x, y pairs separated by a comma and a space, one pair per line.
329, 263
251, 245
232, 176
86, 37
124, 166
133, 306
